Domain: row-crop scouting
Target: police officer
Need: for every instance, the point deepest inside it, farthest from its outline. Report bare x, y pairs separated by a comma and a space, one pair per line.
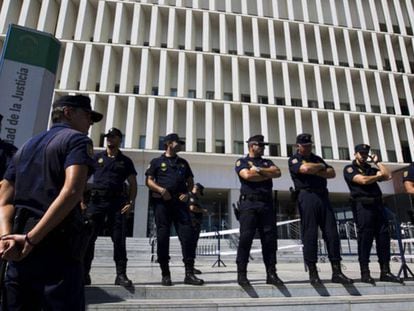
369, 212
408, 179
7, 151
108, 205
169, 178
196, 212
256, 209
309, 173
43, 185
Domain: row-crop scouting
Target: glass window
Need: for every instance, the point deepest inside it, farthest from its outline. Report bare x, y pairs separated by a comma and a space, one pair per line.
343, 153
274, 149
238, 147
141, 143
280, 101
329, 105
345, 106
327, 152
173, 92
228, 96
191, 93
154, 90
219, 146
392, 156
361, 108
296, 102
245, 98
263, 99
201, 145
312, 104
210, 94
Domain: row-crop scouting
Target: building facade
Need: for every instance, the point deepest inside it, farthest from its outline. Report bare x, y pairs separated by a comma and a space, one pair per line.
219, 71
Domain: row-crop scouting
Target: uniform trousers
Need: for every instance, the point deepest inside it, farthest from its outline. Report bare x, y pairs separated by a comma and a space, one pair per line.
372, 222
316, 212
257, 215
196, 222
105, 213
47, 279
167, 213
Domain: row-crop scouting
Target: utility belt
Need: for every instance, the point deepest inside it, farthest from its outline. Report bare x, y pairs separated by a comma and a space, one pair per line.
367, 200
315, 190
71, 236
105, 193
265, 197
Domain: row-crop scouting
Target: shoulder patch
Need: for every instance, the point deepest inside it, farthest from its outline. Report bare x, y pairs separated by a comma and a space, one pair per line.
405, 173
89, 150
294, 161
349, 170
163, 166
250, 163
238, 163
100, 161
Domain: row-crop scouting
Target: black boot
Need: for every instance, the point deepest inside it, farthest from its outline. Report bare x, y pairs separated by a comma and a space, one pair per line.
196, 271
337, 275
121, 277
386, 275
313, 274
165, 273
190, 278
365, 274
242, 278
272, 277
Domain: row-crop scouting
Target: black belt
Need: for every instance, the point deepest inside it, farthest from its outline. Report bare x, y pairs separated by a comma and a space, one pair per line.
367, 200
105, 192
315, 190
256, 197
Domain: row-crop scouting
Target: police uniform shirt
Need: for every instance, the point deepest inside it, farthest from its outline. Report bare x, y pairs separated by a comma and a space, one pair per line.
408, 174
111, 172
170, 173
254, 187
357, 190
306, 181
7, 151
38, 168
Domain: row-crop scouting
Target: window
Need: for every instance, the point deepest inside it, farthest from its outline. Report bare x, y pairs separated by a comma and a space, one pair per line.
329, 105
404, 107
161, 143
392, 156
238, 147
296, 102
141, 143
201, 145
173, 92
375, 109
97, 86
154, 90
262, 99
312, 104
274, 149
232, 52
361, 108
327, 152
228, 96
390, 110
345, 106
191, 93
245, 98
343, 153
291, 149
280, 101
136, 89
181, 47
164, 45
198, 48
248, 53
219, 146
116, 89
209, 94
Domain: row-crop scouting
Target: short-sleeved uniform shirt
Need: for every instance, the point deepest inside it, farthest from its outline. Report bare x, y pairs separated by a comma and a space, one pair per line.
408, 174
38, 168
254, 187
306, 181
7, 151
111, 173
357, 191
170, 173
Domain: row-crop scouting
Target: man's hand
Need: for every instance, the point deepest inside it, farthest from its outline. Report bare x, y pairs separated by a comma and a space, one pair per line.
127, 208
166, 195
183, 197
16, 247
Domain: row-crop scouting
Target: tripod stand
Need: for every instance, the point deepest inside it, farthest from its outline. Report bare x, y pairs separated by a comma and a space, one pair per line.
218, 261
404, 267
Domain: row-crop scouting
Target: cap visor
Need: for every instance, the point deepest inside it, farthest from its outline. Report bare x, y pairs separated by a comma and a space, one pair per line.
181, 142
96, 116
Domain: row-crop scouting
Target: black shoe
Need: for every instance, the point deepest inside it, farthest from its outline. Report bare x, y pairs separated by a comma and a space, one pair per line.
389, 277
196, 271
273, 279
87, 280
166, 280
366, 278
191, 279
242, 279
122, 279
313, 275
341, 278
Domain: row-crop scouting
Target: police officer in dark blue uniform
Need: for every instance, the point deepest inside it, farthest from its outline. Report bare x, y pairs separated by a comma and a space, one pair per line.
169, 178
309, 173
369, 212
196, 213
44, 185
109, 205
7, 151
408, 179
256, 209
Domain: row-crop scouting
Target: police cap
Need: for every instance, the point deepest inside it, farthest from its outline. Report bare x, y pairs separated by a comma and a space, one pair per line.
257, 139
362, 148
113, 132
200, 188
78, 101
304, 139
173, 137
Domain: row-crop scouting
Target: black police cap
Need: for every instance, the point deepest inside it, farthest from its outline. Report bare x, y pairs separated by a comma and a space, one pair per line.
173, 137
304, 139
362, 148
200, 188
78, 101
258, 139
113, 132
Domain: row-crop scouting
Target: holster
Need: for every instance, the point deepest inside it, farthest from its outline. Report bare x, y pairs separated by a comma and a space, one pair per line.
236, 210
294, 194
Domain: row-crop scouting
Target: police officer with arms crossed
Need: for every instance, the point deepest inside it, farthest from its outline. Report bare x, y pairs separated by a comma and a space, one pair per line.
369, 212
256, 210
44, 186
408, 179
309, 173
109, 206
7, 151
169, 178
